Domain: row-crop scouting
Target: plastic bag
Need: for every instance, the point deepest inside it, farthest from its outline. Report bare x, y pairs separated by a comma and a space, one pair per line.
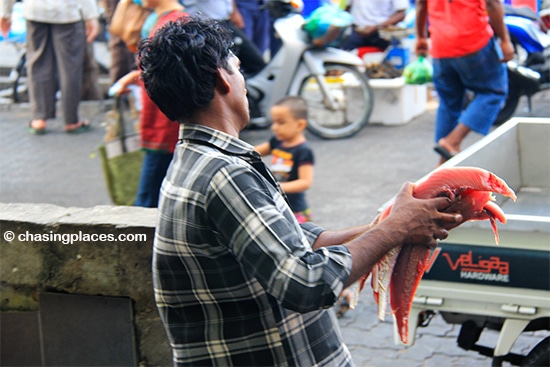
418, 72
328, 16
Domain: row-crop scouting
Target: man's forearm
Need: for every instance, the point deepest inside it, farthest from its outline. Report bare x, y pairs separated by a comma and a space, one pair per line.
394, 19
333, 238
421, 18
495, 10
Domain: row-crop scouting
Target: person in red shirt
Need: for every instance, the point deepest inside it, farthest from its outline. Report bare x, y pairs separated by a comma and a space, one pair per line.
465, 56
159, 134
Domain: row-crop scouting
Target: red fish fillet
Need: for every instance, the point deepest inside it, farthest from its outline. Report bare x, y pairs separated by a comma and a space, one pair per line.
470, 190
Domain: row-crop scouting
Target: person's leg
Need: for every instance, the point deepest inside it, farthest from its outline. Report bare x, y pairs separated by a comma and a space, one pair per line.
41, 73
376, 41
355, 40
485, 75
275, 42
90, 75
69, 43
252, 60
122, 59
452, 141
261, 31
450, 91
449, 132
248, 19
352, 42
153, 171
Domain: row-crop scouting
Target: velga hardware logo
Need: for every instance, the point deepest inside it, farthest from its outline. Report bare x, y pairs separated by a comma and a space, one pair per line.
491, 269
490, 265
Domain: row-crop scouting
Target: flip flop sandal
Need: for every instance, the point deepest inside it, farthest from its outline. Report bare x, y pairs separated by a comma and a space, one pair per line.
36, 131
443, 152
84, 126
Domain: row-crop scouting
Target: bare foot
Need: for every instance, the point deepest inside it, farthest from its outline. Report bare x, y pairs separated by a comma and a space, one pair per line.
451, 148
454, 139
38, 124
37, 127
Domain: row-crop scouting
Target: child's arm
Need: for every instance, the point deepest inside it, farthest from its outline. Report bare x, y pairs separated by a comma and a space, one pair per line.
304, 181
264, 148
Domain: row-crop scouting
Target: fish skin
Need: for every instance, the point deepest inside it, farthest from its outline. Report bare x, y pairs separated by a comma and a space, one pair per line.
381, 275
380, 281
472, 178
470, 189
411, 261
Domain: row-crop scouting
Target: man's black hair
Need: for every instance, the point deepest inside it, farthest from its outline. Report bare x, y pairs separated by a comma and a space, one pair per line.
178, 64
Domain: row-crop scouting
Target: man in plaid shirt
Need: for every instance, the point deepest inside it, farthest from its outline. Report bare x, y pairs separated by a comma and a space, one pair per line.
238, 281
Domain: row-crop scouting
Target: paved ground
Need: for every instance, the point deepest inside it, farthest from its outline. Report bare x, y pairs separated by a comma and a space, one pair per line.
354, 177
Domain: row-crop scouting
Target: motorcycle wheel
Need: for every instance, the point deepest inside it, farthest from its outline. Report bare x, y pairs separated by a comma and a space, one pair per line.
350, 89
508, 109
539, 355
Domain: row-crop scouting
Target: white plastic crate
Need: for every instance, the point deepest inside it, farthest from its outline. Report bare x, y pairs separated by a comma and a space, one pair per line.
395, 102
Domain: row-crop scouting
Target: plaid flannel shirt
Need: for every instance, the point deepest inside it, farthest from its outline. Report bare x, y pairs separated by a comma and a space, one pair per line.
236, 280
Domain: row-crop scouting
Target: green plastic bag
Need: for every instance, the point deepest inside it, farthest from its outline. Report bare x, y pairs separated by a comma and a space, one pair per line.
418, 72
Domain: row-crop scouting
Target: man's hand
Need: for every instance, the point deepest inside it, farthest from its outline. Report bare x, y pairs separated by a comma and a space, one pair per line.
121, 85
422, 46
237, 18
92, 29
507, 50
412, 221
420, 221
495, 10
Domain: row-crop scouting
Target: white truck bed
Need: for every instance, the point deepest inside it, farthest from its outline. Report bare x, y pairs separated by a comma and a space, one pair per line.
473, 279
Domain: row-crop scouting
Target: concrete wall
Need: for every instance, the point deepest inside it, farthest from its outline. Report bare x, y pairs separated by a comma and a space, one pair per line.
47, 248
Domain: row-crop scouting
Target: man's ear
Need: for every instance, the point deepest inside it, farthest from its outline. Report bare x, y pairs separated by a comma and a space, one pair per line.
221, 81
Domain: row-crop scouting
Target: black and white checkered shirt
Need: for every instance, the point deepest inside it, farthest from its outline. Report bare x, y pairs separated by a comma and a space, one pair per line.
236, 280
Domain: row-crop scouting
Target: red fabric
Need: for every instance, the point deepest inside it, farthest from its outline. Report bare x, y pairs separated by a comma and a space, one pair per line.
361, 51
458, 27
157, 131
528, 3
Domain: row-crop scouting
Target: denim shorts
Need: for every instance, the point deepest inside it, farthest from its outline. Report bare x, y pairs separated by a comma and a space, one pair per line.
482, 73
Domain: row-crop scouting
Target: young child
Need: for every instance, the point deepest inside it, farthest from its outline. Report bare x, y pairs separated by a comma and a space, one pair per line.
291, 157
292, 163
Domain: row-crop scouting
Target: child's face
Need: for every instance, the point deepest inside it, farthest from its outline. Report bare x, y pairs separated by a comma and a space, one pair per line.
285, 127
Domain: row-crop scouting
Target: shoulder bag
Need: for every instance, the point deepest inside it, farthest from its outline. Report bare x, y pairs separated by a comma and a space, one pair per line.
121, 159
128, 18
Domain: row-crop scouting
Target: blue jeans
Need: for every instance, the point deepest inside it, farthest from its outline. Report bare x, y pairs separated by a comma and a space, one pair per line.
155, 165
482, 73
355, 40
257, 23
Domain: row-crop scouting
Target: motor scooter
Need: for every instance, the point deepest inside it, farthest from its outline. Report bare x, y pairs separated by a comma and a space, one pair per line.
332, 81
529, 72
